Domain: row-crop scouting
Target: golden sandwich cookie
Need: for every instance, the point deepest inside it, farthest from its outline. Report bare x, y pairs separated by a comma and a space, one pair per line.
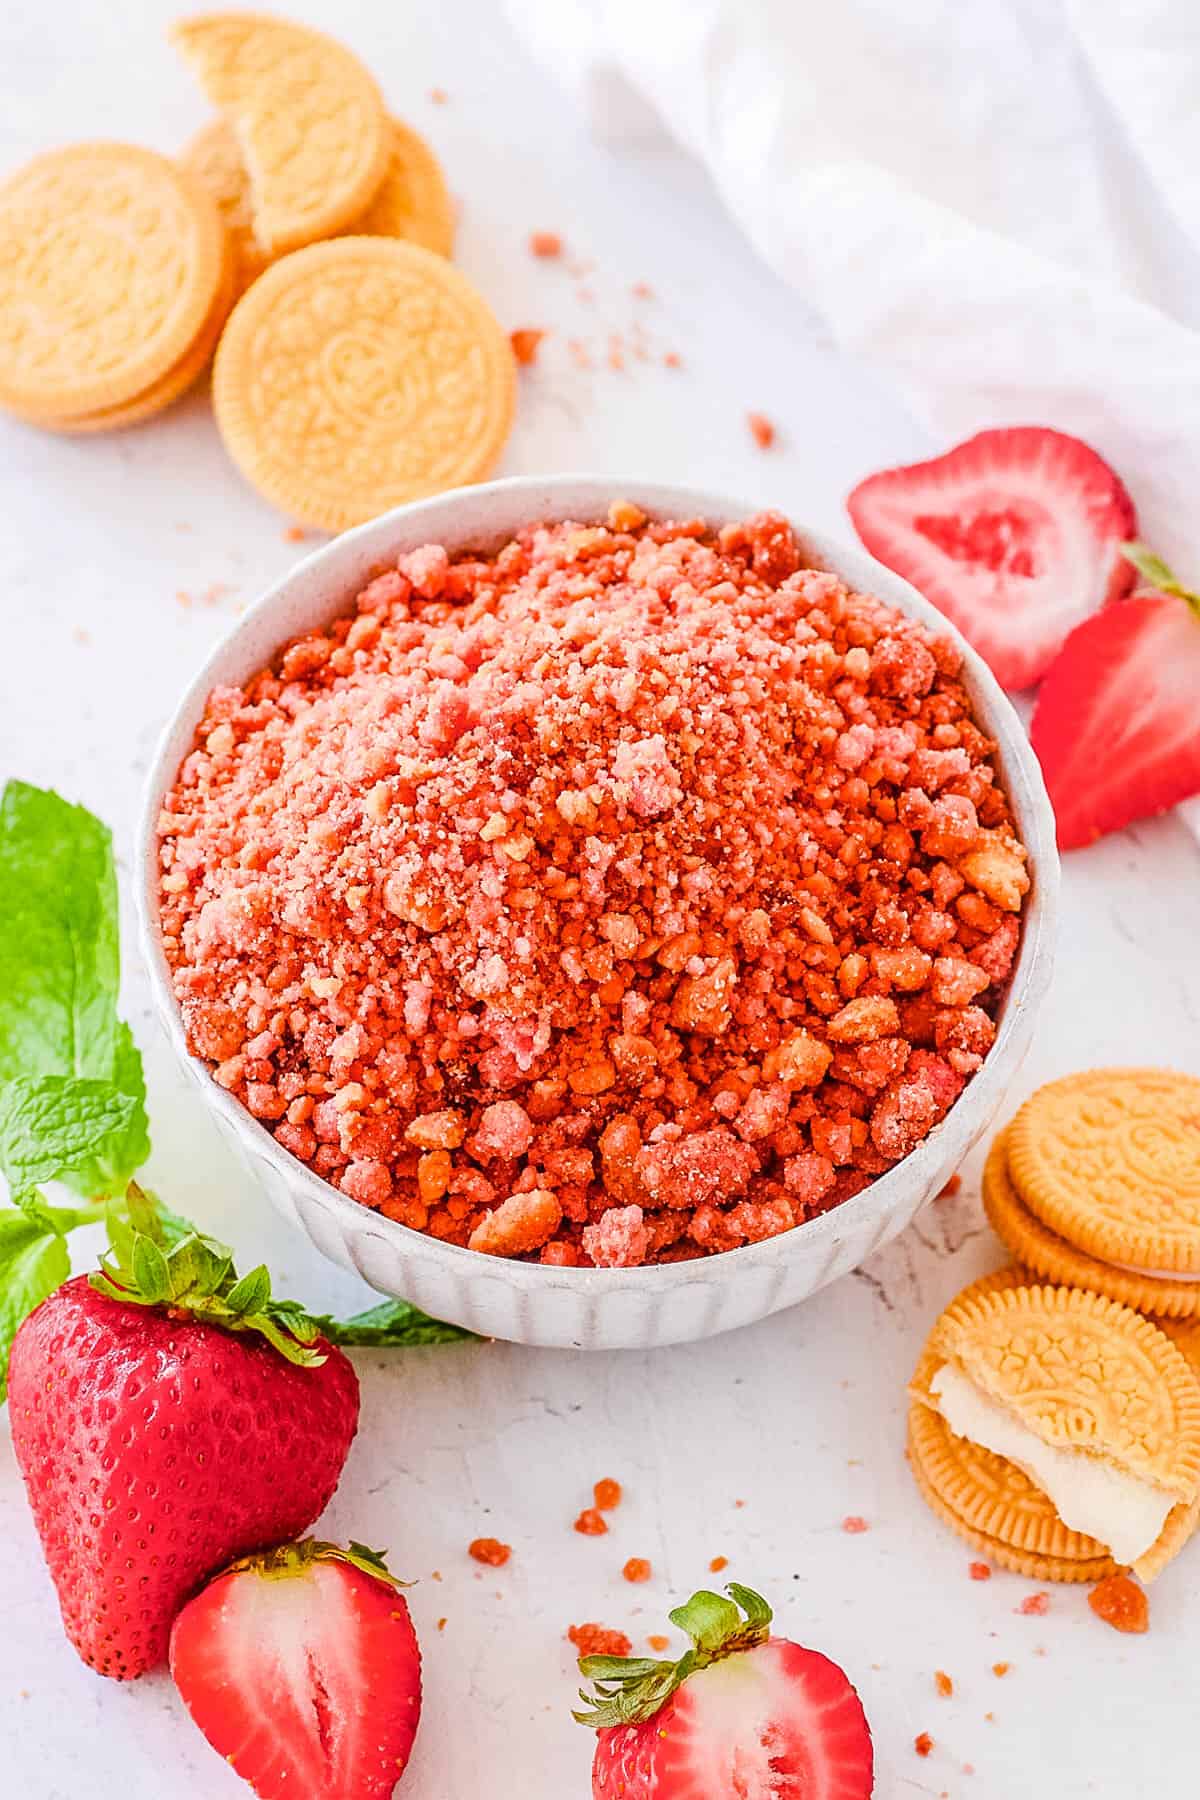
1053, 1259
1109, 1160
1063, 1432
359, 374
113, 268
308, 117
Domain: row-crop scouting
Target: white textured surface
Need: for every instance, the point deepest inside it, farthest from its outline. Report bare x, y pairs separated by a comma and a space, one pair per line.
800, 1417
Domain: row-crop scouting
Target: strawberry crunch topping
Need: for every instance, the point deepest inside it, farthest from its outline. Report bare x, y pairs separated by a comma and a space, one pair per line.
631, 894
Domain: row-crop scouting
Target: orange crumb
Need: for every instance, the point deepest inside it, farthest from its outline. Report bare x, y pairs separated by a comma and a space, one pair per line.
490, 1550
546, 244
739, 1503
853, 1524
441, 1624
718, 1563
1121, 1603
673, 360
1001, 1669
990, 1717
761, 430
979, 1571
80, 634
657, 1642
952, 1187
525, 341
943, 1683
597, 1640
591, 1523
294, 534
923, 1744
1035, 1605
607, 1493
439, 96
642, 290
183, 597
636, 1569
436, 1575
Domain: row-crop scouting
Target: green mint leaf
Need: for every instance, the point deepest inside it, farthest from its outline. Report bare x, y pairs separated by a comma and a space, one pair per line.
393, 1324
126, 1150
59, 956
33, 1262
57, 1127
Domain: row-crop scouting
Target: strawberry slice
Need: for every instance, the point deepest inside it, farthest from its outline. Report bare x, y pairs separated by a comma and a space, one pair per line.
301, 1668
1117, 723
741, 1713
1015, 535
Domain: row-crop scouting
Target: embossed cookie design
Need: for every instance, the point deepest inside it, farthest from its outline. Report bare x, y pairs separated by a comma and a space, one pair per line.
1065, 1432
360, 374
112, 267
309, 120
1110, 1161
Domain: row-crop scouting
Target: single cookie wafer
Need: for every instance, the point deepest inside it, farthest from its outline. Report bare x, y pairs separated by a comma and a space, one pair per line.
111, 260
1110, 1160
1083, 1373
413, 202
360, 374
309, 118
1053, 1259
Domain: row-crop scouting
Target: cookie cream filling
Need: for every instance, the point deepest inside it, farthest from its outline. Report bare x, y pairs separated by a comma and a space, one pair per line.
1154, 1274
1089, 1495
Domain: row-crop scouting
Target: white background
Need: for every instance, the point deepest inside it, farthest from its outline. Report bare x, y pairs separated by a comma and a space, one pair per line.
121, 561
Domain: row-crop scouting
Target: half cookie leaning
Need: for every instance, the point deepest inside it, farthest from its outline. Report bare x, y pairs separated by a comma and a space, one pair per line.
1057, 1431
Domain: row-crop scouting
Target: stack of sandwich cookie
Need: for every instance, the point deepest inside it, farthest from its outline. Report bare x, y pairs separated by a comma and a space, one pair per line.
1096, 1184
116, 276
1057, 1431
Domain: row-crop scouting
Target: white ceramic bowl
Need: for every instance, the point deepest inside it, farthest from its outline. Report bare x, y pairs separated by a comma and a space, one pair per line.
598, 1308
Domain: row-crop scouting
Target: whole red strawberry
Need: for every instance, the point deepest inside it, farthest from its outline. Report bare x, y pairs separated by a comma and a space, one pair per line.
741, 1712
167, 1418
302, 1669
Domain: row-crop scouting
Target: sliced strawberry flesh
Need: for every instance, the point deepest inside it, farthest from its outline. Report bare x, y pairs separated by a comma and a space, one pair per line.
1117, 724
774, 1723
306, 1683
1015, 535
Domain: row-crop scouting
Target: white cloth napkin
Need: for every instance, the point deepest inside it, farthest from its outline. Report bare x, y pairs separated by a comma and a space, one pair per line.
994, 202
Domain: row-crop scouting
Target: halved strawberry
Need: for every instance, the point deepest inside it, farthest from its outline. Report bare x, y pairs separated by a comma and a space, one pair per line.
741, 1713
1015, 535
1117, 723
301, 1668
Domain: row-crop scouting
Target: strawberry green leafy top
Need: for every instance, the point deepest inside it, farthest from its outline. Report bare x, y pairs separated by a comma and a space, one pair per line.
631, 1689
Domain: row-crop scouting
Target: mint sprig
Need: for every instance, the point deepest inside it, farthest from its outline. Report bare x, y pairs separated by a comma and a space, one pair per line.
73, 1109
630, 1689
